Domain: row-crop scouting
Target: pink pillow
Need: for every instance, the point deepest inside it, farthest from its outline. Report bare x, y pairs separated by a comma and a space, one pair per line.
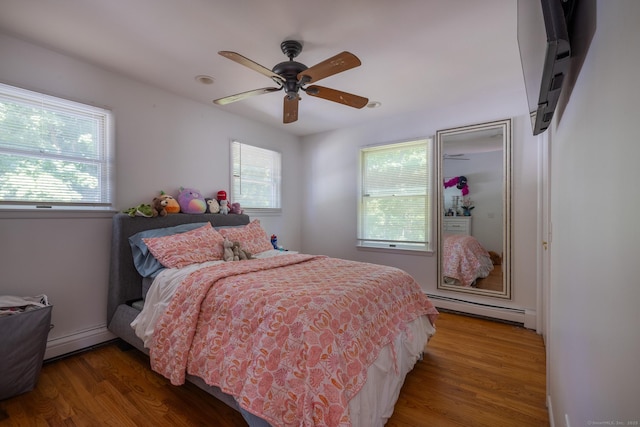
252, 237
179, 250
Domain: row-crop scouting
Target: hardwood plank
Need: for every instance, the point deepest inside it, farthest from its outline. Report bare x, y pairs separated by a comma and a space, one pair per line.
481, 373
475, 372
493, 281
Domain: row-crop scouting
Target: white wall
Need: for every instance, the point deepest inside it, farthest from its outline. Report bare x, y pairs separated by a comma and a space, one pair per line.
162, 142
485, 181
330, 164
594, 343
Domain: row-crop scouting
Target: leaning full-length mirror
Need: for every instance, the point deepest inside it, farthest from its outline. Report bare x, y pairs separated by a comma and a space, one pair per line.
473, 208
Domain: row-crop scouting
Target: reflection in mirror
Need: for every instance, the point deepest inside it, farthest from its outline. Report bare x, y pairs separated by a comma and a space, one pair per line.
473, 206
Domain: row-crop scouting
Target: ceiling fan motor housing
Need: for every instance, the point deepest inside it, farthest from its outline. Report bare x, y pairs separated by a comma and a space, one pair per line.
290, 70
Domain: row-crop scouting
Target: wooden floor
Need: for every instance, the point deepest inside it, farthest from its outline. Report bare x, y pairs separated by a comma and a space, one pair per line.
475, 373
493, 281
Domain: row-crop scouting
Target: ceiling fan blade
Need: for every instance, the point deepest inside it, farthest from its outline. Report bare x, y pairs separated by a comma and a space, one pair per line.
244, 95
290, 113
250, 64
329, 94
336, 64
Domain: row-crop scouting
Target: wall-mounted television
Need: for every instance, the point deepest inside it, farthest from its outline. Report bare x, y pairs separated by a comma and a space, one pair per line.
545, 51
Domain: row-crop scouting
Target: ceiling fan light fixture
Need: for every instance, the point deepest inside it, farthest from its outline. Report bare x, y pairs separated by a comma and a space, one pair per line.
374, 104
205, 80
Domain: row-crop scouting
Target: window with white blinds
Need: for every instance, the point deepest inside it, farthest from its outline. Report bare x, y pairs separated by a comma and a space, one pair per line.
255, 177
395, 196
53, 152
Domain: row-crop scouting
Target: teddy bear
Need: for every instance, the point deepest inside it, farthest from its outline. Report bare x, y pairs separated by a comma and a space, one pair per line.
495, 258
212, 205
227, 254
191, 201
235, 247
245, 255
240, 254
159, 205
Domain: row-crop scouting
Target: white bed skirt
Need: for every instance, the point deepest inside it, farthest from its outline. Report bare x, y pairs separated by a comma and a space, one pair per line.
374, 404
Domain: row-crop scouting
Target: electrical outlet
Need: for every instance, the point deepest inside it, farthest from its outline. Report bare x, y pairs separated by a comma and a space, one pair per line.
566, 420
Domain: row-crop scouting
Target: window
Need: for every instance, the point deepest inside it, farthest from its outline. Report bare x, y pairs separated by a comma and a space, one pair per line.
255, 180
395, 195
53, 152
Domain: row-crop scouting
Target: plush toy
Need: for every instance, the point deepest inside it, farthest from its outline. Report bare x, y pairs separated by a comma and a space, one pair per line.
235, 208
245, 255
495, 258
143, 210
158, 206
236, 251
224, 207
191, 201
460, 182
212, 205
172, 205
240, 254
227, 255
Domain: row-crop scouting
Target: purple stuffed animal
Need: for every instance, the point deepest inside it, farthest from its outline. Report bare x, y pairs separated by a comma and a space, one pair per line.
235, 208
191, 201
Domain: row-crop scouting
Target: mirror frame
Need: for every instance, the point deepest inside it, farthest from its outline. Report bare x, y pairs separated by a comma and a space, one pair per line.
505, 127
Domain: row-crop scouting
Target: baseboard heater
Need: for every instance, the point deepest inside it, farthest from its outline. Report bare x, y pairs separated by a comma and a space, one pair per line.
510, 314
76, 341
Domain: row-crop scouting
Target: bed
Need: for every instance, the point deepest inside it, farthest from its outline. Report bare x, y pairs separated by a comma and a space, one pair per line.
465, 260
284, 338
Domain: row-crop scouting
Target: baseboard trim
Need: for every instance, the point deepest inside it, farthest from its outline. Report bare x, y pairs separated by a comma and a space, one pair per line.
550, 411
515, 315
77, 341
530, 320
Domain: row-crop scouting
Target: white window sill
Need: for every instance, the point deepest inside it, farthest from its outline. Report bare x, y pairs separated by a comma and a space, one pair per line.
262, 212
403, 251
54, 213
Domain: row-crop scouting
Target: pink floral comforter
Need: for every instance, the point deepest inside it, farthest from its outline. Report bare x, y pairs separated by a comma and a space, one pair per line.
291, 337
465, 259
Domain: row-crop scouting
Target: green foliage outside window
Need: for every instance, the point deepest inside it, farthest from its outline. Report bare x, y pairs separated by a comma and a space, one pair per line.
52, 153
395, 195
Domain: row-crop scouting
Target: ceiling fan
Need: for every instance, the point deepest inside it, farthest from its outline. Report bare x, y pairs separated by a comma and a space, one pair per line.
293, 76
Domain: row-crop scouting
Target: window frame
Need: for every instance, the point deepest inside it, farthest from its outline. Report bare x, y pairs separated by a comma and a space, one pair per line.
421, 247
104, 158
276, 181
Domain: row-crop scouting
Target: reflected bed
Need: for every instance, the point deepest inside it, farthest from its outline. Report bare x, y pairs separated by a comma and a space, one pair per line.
464, 260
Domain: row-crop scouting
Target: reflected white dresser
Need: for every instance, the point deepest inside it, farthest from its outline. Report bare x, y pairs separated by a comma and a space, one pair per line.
457, 225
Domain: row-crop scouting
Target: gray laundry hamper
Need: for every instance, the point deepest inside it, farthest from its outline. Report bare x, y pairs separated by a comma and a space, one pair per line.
23, 341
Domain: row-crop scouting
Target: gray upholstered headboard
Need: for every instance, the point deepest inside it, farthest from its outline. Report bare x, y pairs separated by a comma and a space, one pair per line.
124, 280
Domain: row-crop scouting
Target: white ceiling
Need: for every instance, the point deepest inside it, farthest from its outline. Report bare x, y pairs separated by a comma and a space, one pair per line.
417, 55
